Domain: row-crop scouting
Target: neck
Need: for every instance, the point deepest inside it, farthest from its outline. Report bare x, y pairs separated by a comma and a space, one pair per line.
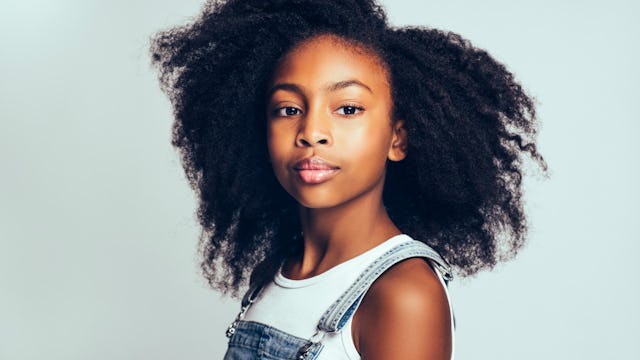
337, 234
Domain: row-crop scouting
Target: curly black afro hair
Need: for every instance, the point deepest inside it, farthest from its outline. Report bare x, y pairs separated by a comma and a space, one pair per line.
469, 124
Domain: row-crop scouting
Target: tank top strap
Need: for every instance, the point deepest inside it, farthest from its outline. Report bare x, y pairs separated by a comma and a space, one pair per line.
341, 310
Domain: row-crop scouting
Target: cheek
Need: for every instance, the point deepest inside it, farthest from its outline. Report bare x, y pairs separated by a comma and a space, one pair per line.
274, 143
278, 152
270, 147
368, 145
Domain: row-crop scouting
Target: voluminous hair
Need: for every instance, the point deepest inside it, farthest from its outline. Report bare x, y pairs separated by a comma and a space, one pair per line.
469, 125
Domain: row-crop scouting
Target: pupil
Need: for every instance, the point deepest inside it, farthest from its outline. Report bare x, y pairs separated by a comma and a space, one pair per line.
349, 110
291, 111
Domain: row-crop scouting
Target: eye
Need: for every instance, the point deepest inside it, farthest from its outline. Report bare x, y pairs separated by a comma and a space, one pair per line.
287, 111
350, 109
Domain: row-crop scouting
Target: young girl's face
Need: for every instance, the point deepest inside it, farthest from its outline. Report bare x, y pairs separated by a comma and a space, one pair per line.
329, 128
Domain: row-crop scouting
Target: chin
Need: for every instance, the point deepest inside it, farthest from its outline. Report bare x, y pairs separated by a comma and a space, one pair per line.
316, 203
316, 200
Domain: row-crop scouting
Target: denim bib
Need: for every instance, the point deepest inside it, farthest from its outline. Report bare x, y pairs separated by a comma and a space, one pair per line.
250, 340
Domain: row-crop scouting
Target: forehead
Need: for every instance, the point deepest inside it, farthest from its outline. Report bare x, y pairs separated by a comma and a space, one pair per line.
327, 59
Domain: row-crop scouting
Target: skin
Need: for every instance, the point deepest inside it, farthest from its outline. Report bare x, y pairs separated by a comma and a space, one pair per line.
332, 99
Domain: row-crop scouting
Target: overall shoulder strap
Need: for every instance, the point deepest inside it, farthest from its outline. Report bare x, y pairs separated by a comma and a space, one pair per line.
247, 300
251, 294
341, 310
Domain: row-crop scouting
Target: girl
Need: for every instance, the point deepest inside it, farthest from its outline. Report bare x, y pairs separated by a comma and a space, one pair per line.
332, 154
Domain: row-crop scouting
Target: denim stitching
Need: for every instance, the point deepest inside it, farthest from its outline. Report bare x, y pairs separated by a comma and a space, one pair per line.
358, 283
365, 284
334, 316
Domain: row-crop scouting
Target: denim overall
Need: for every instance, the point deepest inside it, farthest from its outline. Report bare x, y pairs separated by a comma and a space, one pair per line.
250, 340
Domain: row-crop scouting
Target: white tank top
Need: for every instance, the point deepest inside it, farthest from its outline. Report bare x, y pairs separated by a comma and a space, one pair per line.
296, 306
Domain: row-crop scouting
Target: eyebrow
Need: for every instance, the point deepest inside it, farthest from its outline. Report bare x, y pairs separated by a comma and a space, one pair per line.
285, 86
329, 88
346, 83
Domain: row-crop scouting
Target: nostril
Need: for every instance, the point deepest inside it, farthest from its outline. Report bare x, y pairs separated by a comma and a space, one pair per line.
304, 142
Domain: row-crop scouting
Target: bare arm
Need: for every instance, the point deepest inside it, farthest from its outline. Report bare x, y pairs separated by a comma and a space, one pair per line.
405, 315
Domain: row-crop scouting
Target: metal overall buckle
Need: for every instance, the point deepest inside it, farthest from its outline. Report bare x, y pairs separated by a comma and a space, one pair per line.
232, 328
306, 349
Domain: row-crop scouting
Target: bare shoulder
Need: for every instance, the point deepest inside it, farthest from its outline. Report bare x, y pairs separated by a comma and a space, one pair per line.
404, 315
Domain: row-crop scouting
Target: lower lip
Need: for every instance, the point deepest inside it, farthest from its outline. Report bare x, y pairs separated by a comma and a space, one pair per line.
316, 176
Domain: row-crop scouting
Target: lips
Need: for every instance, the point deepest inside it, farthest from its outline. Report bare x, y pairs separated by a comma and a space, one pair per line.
314, 163
315, 170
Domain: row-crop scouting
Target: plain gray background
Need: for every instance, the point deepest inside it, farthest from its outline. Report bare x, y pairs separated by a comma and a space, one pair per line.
97, 233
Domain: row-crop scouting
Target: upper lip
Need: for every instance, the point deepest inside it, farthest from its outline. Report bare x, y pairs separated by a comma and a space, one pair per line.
314, 163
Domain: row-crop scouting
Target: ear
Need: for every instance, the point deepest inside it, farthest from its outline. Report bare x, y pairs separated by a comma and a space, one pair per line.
398, 149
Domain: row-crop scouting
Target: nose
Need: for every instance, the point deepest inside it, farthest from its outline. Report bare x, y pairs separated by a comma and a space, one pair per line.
314, 130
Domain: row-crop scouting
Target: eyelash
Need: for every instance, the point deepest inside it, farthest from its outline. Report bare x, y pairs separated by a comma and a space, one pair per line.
278, 112
354, 106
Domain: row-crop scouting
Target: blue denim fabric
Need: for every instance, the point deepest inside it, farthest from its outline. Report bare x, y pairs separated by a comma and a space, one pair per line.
253, 341
250, 340
340, 311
